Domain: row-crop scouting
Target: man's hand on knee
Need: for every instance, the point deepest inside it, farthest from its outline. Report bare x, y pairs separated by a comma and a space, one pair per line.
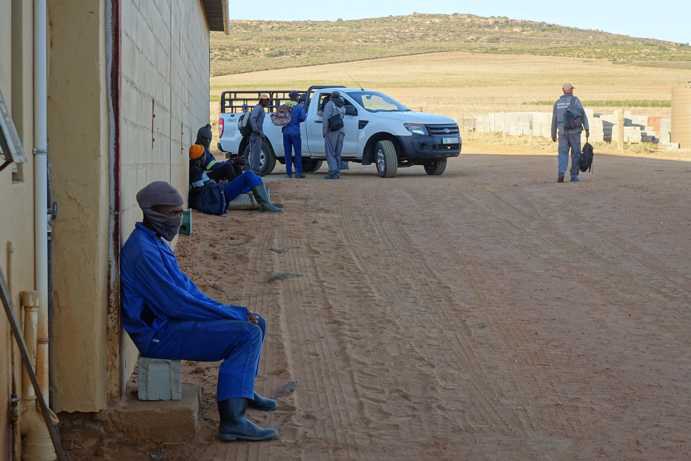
252, 318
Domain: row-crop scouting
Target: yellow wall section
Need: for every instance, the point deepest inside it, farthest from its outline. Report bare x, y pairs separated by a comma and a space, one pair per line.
78, 147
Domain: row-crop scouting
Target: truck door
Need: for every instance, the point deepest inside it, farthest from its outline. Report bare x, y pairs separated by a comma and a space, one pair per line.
313, 127
351, 143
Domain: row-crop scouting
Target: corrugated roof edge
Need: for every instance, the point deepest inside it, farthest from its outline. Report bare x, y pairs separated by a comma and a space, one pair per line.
217, 14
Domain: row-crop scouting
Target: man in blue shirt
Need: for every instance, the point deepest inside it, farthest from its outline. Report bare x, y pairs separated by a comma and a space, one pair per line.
291, 136
168, 317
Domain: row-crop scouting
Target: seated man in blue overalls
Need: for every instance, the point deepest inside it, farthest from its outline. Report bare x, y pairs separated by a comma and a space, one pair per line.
214, 196
167, 316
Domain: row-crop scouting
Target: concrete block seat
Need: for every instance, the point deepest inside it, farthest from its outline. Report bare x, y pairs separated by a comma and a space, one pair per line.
159, 379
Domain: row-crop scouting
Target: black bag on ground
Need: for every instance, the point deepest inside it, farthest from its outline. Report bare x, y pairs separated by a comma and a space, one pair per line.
208, 199
586, 160
336, 122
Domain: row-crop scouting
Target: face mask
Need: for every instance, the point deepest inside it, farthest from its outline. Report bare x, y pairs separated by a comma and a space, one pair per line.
165, 225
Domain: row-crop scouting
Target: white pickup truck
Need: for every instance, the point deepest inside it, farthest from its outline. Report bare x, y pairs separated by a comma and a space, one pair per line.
378, 128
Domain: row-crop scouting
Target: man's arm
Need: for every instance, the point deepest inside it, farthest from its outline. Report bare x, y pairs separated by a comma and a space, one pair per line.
554, 123
328, 112
586, 124
181, 301
254, 120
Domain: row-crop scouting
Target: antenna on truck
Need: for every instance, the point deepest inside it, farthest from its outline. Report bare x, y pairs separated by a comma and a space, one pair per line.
354, 81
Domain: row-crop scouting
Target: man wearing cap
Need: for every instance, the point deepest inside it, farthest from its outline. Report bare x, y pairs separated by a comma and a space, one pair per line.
168, 317
214, 196
568, 121
257, 125
292, 140
333, 139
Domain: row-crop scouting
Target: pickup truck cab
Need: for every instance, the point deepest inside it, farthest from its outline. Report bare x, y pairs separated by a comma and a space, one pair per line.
379, 130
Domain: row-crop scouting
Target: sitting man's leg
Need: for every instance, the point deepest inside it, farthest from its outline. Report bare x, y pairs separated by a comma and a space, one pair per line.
246, 182
238, 344
259, 402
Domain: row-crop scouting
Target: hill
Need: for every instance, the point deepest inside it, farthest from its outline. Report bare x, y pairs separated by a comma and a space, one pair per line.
262, 45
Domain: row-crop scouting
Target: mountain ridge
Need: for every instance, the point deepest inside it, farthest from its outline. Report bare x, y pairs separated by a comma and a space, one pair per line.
254, 45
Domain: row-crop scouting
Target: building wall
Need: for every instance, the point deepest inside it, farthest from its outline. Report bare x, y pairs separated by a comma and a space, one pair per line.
78, 144
16, 191
165, 99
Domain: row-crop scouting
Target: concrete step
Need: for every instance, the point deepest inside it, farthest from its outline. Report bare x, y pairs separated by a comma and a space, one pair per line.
158, 421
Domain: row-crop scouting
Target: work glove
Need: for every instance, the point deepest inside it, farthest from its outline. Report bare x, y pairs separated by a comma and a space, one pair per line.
554, 139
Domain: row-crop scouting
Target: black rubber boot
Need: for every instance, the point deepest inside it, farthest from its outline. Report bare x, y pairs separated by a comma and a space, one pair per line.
262, 196
261, 403
235, 426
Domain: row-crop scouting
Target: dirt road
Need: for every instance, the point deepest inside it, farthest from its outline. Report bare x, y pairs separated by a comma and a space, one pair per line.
486, 314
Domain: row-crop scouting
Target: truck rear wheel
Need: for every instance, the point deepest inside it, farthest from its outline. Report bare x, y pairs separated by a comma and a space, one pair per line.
387, 158
266, 162
435, 167
310, 165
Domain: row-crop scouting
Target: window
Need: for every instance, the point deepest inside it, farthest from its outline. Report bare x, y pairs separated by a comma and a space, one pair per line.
325, 97
373, 101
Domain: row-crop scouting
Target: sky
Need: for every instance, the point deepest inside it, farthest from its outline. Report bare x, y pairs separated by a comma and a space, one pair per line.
661, 19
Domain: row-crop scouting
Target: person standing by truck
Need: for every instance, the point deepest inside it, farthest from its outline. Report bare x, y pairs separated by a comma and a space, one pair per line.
334, 133
292, 141
257, 126
568, 121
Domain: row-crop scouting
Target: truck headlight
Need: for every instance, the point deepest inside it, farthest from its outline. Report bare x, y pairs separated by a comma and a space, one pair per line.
416, 129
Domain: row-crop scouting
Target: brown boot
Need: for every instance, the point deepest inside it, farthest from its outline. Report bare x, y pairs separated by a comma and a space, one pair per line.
560, 178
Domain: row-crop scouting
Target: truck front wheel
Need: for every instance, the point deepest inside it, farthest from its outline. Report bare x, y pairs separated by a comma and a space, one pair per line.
266, 162
435, 167
387, 158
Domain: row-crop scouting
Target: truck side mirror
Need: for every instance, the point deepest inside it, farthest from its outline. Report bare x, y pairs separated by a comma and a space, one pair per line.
351, 110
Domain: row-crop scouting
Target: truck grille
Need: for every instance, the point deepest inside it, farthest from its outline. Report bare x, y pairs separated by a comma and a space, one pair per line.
442, 130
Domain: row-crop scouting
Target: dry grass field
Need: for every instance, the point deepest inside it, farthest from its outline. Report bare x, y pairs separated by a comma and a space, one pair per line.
460, 84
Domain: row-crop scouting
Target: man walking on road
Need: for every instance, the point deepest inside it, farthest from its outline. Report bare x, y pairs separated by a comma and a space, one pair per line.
334, 133
257, 125
568, 121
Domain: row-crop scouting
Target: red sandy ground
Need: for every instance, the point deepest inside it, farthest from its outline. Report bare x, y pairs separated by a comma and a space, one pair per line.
487, 314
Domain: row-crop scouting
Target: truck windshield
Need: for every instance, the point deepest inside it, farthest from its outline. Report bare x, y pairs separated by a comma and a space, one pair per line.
373, 101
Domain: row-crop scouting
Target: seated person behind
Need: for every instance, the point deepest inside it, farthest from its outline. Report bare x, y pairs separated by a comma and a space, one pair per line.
211, 197
218, 171
167, 316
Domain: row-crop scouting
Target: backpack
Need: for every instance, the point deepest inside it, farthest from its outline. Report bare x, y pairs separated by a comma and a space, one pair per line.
208, 199
244, 124
573, 119
586, 161
336, 122
282, 116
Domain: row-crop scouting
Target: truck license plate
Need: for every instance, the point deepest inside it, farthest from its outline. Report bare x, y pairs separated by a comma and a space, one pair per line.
449, 140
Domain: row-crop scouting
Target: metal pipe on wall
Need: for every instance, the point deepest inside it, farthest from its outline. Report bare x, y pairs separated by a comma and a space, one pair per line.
41, 186
37, 446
